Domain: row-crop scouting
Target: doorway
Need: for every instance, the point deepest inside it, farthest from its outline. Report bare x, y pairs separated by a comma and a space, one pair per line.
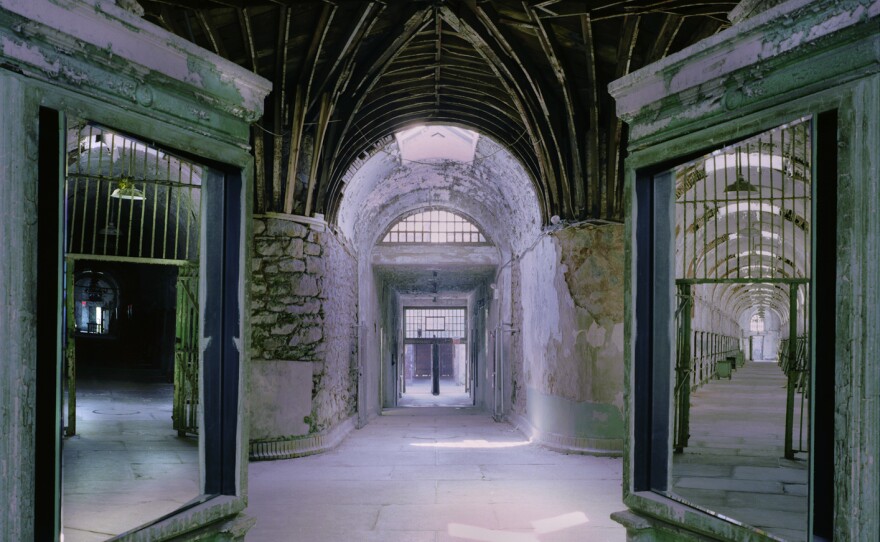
435, 369
131, 256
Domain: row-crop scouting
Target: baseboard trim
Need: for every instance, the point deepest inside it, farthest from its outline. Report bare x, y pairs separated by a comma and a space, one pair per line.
607, 447
302, 446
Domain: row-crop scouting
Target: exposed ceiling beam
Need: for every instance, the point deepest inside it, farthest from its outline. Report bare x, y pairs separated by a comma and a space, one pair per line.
208, 30
279, 97
575, 175
309, 64
366, 75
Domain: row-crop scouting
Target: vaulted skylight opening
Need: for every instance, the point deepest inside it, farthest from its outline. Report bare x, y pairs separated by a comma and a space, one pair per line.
437, 142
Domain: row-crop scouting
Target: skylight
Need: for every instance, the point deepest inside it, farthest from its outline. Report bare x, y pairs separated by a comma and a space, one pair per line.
437, 142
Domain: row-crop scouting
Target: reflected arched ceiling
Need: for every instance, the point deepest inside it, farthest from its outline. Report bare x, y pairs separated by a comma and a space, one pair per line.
530, 74
743, 218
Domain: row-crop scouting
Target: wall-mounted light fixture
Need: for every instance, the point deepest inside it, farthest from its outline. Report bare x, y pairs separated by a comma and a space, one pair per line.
125, 189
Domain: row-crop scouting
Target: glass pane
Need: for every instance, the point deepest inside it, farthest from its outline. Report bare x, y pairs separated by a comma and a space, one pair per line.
434, 323
131, 392
741, 401
438, 226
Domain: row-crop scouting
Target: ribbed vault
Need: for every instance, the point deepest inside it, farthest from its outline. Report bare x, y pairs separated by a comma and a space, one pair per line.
530, 74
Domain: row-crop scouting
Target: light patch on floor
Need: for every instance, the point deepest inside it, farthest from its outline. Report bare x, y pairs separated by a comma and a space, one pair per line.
470, 444
378, 485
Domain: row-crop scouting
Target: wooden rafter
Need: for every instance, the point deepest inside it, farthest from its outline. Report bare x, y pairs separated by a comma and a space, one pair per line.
665, 37
537, 112
365, 77
307, 74
575, 171
529, 73
247, 34
438, 30
595, 187
614, 183
354, 37
208, 30
323, 118
296, 129
278, 102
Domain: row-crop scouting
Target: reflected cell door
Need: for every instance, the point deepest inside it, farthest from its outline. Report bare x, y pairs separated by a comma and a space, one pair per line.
186, 353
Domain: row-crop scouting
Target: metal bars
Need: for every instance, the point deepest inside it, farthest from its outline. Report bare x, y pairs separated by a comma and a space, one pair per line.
186, 352
130, 199
744, 211
434, 226
743, 249
434, 323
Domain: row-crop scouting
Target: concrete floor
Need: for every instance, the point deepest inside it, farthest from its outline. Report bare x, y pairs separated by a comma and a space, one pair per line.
735, 464
126, 465
436, 474
432, 474
418, 394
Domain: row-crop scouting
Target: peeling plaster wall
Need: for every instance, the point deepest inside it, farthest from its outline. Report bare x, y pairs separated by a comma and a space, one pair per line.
571, 285
517, 370
92, 59
304, 330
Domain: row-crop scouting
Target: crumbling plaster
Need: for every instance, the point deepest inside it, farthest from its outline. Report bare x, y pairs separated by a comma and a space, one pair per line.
801, 57
107, 52
576, 292
559, 309
90, 59
571, 285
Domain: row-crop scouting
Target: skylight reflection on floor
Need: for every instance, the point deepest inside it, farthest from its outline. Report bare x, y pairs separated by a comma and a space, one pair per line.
541, 526
471, 444
469, 532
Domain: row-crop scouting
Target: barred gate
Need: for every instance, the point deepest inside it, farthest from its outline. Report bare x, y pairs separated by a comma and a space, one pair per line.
130, 201
186, 352
743, 247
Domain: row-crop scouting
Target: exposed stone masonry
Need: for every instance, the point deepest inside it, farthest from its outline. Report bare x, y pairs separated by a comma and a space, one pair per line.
304, 330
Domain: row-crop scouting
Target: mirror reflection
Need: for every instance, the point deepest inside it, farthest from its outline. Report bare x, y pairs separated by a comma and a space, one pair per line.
130, 447
741, 412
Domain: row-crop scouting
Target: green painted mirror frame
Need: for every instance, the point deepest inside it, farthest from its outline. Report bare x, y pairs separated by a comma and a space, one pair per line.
800, 58
95, 60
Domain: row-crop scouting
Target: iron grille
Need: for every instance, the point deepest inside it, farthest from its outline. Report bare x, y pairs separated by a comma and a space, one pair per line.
434, 324
126, 198
434, 226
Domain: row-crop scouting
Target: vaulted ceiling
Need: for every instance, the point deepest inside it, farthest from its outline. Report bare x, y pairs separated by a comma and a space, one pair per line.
530, 74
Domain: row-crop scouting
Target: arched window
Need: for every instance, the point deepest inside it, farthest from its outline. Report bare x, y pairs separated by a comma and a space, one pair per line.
756, 324
434, 226
96, 296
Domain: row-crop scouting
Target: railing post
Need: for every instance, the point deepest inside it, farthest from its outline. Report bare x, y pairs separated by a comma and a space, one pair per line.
792, 373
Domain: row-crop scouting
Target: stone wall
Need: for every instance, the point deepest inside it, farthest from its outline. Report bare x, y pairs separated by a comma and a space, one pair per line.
572, 320
303, 377
517, 370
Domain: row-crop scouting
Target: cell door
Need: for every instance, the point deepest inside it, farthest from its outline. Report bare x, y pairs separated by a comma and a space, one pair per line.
186, 352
